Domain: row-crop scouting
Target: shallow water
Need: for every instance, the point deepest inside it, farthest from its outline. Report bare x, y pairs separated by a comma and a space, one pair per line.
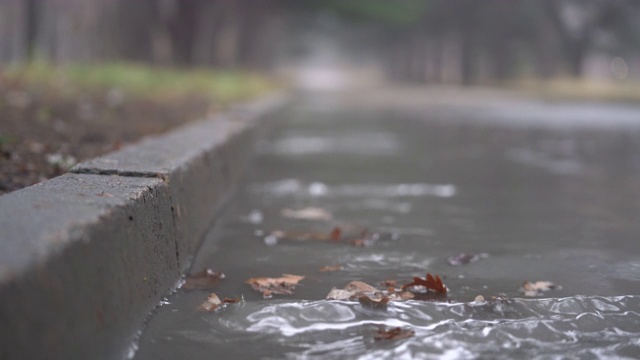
557, 203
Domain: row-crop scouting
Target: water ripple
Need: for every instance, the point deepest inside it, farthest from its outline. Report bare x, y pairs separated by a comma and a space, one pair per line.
570, 327
580, 326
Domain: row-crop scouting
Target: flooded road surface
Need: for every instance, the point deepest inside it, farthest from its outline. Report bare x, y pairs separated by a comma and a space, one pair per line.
539, 192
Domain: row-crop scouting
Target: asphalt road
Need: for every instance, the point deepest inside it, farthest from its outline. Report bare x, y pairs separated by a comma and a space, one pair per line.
538, 191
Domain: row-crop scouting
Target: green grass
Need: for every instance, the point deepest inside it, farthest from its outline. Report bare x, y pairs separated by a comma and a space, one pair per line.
579, 89
144, 80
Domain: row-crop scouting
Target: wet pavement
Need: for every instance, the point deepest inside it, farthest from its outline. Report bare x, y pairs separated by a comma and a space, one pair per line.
541, 191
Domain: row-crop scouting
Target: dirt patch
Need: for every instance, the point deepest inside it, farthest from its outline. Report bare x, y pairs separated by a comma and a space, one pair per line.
45, 131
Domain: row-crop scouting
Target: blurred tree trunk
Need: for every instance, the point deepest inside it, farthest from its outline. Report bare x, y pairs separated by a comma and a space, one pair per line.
183, 30
31, 28
161, 44
577, 54
467, 11
209, 25
257, 36
13, 25
434, 61
418, 64
545, 48
575, 39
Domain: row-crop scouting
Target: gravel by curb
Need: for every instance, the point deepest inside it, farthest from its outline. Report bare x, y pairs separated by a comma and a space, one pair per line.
84, 257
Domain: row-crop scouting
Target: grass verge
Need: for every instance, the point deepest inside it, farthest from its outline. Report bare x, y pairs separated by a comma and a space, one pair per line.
571, 89
143, 80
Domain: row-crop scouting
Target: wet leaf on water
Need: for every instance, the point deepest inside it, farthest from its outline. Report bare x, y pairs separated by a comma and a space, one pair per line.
211, 304
359, 286
378, 303
281, 234
232, 301
396, 333
352, 291
358, 242
201, 280
479, 298
309, 213
389, 283
331, 268
402, 296
463, 258
334, 235
537, 288
356, 289
430, 282
268, 286
398, 294
362, 240
339, 294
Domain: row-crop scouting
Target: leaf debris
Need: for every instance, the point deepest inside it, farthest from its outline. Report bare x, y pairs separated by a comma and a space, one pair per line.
389, 283
308, 213
213, 303
359, 286
463, 258
537, 288
357, 289
334, 235
377, 303
331, 268
358, 242
396, 333
283, 285
430, 283
204, 279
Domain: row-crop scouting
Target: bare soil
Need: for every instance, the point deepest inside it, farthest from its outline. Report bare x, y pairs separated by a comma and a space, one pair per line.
45, 131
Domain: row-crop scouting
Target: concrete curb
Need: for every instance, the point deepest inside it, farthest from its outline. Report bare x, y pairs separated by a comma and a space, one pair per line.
86, 256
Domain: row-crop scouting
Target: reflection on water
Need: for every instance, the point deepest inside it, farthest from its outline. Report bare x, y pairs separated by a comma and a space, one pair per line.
557, 203
582, 326
296, 187
362, 143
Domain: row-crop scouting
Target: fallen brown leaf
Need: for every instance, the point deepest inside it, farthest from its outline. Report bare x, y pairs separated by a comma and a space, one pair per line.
211, 304
331, 268
356, 289
393, 333
268, 286
402, 296
430, 282
334, 235
201, 280
537, 288
309, 213
463, 259
352, 291
358, 242
359, 286
378, 304
339, 294
389, 283
231, 301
